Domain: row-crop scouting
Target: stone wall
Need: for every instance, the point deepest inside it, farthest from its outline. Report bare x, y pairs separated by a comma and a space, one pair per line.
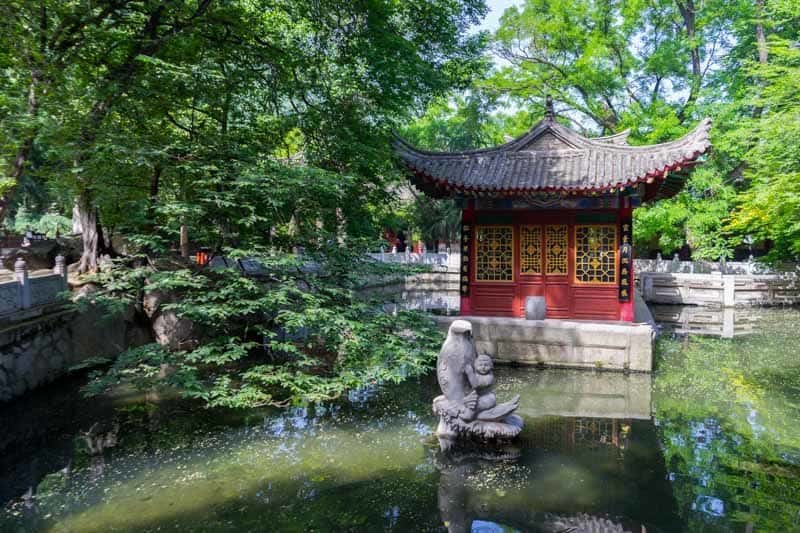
618, 346
442, 261
427, 291
424, 281
40, 349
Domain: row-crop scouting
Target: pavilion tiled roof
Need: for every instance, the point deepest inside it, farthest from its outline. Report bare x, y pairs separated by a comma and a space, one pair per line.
552, 158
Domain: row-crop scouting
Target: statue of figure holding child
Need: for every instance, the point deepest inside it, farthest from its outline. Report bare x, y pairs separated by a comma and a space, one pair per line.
468, 407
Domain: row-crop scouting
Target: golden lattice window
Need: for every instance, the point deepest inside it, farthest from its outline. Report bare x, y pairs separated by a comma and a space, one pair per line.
530, 249
494, 253
596, 254
556, 246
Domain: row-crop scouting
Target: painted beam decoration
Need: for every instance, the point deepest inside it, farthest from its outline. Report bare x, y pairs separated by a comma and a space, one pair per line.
549, 201
625, 261
466, 240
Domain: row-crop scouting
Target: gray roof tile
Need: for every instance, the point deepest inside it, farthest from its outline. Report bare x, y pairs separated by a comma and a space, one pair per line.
551, 157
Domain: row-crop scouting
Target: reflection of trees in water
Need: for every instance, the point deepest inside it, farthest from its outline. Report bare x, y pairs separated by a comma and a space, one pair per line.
721, 477
98, 439
457, 466
727, 413
40, 442
89, 448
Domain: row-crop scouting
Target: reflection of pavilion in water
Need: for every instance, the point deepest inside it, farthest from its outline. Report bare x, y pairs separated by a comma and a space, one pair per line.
568, 434
590, 457
570, 409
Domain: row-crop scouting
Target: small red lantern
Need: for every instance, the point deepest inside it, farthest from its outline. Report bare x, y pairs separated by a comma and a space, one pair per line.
203, 256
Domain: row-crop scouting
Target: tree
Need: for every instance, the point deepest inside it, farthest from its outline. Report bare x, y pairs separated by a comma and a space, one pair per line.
182, 86
462, 121
655, 67
615, 65
769, 209
262, 129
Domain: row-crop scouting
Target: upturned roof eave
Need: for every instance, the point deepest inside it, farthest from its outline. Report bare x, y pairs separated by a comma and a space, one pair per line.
509, 169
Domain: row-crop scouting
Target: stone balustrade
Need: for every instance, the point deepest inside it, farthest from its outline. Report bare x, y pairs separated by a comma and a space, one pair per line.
658, 265
718, 290
676, 266
450, 261
664, 266
26, 291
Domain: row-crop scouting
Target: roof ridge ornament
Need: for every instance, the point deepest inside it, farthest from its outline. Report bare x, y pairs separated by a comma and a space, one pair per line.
549, 110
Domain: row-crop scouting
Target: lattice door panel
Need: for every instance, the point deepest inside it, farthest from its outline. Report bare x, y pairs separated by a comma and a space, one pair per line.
556, 249
494, 253
530, 248
596, 254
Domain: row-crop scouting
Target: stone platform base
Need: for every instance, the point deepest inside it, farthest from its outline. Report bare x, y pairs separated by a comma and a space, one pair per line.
565, 343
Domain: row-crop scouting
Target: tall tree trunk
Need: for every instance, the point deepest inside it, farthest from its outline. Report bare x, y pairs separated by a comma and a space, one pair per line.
155, 184
121, 78
152, 203
118, 79
761, 37
687, 11
87, 215
761, 44
24, 151
184, 241
737, 174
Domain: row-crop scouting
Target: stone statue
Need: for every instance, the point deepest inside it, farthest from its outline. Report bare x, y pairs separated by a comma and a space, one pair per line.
468, 408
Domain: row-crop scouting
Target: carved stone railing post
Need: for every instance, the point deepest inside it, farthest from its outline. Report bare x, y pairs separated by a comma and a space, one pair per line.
728, 290
61, 269
21, 275
675, 267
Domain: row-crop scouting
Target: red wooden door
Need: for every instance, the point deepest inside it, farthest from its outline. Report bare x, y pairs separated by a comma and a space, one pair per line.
530, 265
494, 277
543, 266
557, 270
536, 254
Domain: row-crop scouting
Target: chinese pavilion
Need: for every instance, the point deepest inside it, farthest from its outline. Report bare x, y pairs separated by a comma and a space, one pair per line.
549, 214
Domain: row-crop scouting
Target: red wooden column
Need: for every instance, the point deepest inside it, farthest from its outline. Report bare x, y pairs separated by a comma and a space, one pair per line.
465, 270
626, 261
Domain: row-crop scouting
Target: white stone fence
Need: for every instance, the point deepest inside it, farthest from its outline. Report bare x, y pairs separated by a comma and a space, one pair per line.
31, 290
676, 266
664, 266
720, 290
450, 261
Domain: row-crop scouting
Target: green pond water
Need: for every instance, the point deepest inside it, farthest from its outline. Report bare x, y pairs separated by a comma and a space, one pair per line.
708, 442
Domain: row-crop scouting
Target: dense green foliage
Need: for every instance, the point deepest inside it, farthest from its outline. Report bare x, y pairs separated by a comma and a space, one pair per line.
298, 331
768, 208
125, 107
259, 129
